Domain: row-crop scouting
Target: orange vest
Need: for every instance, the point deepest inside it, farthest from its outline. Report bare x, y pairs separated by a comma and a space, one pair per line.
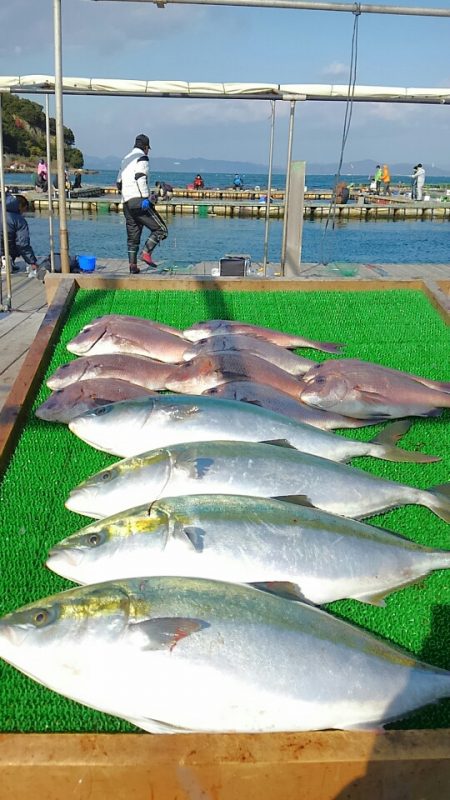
386, 177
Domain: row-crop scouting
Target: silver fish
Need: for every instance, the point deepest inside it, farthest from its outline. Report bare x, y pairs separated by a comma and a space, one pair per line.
259, 470
212, 327
205, 372
243, 540
235, 342
139, 370
265, 396
64, 405
135, 426
122, 336
361, 389
174, 655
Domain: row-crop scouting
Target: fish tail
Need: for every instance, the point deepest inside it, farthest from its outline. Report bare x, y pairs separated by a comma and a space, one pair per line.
438, 500
328, 347
385, 445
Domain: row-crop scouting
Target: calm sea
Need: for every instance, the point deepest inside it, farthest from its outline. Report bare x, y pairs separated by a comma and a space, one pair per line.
192, 238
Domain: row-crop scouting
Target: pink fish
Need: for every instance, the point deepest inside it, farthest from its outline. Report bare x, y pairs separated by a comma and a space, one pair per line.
68, 403
123, 336
139, 370
361, 389
212, 327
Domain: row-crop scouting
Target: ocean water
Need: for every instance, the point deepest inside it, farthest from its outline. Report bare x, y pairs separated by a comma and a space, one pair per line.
193, 238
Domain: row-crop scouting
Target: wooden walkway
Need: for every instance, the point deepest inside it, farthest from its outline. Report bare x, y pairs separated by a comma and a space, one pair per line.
18, 328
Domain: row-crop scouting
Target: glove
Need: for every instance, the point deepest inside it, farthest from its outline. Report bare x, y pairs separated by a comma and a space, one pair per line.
145, 204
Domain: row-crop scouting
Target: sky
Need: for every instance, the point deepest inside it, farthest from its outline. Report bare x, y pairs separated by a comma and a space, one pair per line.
138, 40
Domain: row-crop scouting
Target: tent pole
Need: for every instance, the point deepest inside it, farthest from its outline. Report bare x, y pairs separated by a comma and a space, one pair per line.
7, 305
50, 185
286, 193
269, 185
63, 234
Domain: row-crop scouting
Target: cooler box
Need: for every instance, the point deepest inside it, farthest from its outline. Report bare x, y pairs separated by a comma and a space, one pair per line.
234, 265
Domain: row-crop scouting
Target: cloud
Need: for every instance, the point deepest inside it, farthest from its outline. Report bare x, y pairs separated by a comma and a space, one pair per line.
335, 68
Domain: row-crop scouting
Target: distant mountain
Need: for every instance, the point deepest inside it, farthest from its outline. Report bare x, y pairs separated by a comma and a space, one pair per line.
163, 164
194, 165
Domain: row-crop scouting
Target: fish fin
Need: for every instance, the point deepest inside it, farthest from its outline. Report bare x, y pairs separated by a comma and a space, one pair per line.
374, 599
369, 727
297, 499
432, 412
440, 501
386, 442
156, 725
164, 633
371, 397
279, 443
285, 589
192, 536
330, 347
195, 467
252, 402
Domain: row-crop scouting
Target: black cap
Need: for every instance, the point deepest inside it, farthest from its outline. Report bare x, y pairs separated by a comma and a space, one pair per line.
142, 141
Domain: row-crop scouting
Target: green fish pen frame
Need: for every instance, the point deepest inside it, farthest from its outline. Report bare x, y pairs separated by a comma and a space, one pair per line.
413, 763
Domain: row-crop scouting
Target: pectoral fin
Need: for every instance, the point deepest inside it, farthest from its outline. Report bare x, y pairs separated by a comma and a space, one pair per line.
195, 467
191, 536
164, 633
285, 589
297, 499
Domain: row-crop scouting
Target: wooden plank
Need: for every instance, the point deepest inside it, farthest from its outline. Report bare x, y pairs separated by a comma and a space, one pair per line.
22, 393
399, 765
18, 344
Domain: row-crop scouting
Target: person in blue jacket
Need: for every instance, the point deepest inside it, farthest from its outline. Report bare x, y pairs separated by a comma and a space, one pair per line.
18, 235
238, 183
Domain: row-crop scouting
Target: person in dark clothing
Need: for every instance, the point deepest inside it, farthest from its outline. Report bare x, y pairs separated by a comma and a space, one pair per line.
164, 190
77, 180
18, 235
342, 193
138, 207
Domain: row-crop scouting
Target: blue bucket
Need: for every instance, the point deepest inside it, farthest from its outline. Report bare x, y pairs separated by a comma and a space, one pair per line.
87, 263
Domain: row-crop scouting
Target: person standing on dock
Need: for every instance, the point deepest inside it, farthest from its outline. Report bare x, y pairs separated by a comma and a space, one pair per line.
386, 178
377, 179
420, 180
139, 211
18, 236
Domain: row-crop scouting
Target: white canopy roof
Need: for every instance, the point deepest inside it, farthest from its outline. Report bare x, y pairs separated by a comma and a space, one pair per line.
41, 84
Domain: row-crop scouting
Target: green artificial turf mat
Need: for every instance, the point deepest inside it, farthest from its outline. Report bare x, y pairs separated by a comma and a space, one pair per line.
399, 329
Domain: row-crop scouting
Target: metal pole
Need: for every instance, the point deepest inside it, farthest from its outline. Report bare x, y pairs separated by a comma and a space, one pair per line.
63, 234
7, 305
351, 8
269, 186
50, 185
286, 193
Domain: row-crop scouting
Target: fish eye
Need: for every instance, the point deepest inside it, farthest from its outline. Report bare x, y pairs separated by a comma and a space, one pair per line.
94, 539
41, 617
102, 410
320, 379
106, 476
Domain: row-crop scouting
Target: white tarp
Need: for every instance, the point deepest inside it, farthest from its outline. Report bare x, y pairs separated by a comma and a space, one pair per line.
39, 84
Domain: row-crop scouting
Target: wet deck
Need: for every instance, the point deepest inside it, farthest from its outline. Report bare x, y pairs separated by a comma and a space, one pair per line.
18, 328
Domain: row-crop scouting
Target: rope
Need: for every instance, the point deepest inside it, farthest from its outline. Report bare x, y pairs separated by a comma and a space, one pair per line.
346, 126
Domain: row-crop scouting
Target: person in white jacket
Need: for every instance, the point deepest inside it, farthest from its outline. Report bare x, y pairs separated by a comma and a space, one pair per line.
139, 211
420, 180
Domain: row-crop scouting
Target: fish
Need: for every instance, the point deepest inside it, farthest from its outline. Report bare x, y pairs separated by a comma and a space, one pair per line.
246, 468
280, 356
245, 540
361, 389
213, 327
141, 371
122, 336
205, 372
149, 323
64, 405
179, 655
132, 427
265, 396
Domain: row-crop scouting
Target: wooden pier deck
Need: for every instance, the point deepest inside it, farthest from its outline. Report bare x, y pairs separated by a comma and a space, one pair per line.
18, 327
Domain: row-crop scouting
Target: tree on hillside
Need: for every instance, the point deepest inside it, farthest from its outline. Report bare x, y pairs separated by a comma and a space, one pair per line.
24, 132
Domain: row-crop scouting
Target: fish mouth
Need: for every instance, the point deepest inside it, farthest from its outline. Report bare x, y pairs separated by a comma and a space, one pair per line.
13, 634
80, 504
70, 555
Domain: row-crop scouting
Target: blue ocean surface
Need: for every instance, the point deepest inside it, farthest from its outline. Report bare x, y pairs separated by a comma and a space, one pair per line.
193, 238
